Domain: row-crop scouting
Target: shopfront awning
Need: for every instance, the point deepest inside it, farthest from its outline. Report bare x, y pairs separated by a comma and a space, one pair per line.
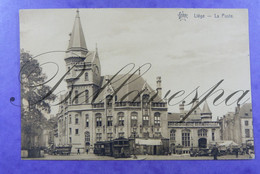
228, 143
151, 142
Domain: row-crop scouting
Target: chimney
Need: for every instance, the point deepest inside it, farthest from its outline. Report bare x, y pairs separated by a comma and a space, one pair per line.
159, 87
237, 109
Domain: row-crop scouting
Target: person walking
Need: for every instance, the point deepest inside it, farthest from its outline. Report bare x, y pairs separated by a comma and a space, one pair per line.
236, 152
214, 152
87, 150
78, 153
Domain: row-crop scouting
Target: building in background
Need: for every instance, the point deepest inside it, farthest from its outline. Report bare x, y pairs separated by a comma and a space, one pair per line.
198, 130
238, 126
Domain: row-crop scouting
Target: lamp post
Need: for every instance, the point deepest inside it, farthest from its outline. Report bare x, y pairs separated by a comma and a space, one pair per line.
135, 157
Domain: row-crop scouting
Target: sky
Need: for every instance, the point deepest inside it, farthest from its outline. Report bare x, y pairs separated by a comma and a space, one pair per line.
186, 53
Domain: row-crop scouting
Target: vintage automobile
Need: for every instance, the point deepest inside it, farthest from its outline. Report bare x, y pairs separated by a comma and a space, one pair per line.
199, 152
59, 150
227, 148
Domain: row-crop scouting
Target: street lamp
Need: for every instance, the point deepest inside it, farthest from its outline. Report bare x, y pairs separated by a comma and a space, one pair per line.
134, 133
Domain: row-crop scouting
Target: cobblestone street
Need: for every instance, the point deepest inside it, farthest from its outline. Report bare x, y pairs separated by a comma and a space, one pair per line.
139, 157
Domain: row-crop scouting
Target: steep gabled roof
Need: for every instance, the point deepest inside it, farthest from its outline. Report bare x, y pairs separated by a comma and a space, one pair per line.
206, 109
77, 40
134, 85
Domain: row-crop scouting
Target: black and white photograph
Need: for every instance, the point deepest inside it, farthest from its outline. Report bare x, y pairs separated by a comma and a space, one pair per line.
135, 84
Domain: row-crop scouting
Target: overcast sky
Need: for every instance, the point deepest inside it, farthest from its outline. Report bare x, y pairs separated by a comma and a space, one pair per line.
185, 53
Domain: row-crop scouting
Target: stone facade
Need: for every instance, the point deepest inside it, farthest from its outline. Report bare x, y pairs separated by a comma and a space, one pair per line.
198, 130
102, 108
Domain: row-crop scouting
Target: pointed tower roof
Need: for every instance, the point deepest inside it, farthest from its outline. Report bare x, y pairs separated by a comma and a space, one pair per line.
77, 40
206, 109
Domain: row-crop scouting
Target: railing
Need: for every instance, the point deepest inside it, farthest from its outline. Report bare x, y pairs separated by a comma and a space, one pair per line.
194, 124
98, 105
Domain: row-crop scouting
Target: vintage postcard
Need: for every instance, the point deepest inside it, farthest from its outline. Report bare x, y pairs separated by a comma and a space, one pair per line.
135, 84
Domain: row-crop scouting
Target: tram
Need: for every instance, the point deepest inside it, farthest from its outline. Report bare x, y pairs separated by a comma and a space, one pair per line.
118, 148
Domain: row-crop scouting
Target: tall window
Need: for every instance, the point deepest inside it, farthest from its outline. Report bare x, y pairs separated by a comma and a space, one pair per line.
157, 119
186, 138
247, 132
70, 140
99, 136
70, 131
76, 97
98, 120
69, 119
134, 119
86, 76
109, 100
87, 137
86, 96
172, 134
202, 132
110, 136
213, 136
76, 131
76, 119
109, 121
145, 120
120, 118
87, 120
246, 123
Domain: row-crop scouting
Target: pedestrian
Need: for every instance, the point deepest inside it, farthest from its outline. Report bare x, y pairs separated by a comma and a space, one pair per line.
122, 152
87, 150
236, 152
78, 152
214, 152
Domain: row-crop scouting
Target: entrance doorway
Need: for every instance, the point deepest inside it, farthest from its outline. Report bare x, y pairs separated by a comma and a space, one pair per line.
202, 143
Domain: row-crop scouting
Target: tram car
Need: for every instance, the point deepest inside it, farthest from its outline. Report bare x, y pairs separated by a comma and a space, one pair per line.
121, 148
108, 146
99, 148
118, 148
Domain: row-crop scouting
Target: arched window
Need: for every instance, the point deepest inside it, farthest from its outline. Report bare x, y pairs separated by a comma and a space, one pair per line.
157, 119
86, 76
134, 119
87, 120
145, 100
120, 119
172, 134
186, 137
86, 96
202, 132
98, 120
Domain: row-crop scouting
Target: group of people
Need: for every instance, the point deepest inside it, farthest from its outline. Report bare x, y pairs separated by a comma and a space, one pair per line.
215, 152
78, 152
